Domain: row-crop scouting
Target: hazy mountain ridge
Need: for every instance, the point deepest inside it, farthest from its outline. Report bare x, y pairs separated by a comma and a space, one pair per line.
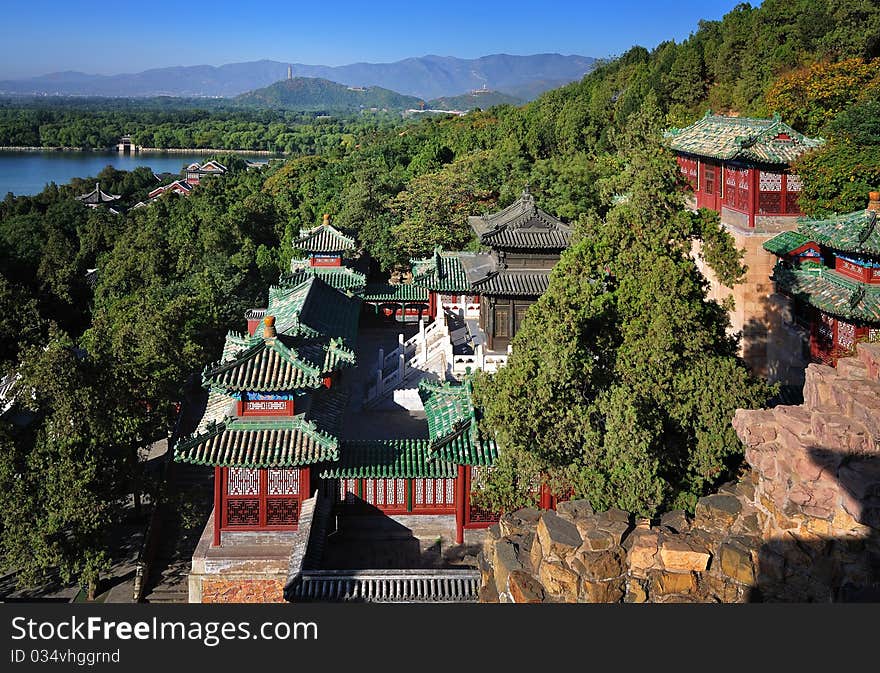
474, 99
313, 93
426, 77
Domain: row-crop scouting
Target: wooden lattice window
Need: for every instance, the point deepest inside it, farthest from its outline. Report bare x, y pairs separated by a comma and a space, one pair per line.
708, 179
434, 493
260, 498
846, 335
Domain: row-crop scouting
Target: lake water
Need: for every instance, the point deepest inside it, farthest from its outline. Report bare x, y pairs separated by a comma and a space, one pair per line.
27, 173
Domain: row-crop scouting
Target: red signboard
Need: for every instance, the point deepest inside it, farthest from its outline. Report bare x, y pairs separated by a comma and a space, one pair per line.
326, 261
267, 408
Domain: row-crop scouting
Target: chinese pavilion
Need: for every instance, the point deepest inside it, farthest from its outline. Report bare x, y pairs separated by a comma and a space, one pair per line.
274, 407
97, 197
830, 269
740, 168
525, 244
443, 276
323, 250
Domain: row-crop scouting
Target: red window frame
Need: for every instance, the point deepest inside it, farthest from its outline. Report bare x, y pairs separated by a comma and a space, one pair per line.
264, 502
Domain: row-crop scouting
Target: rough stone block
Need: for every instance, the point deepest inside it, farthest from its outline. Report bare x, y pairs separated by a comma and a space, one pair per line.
616, 529
717, 512
504, 562
681, 555
524, 588
559, 538
869, 353
573, 510
662, 583
635, 591
521, 521
601, 592
558, 581
599, 565
736, 563
642, 551
596, 539
676, 520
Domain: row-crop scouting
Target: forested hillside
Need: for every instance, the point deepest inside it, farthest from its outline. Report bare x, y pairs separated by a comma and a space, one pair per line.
615, 404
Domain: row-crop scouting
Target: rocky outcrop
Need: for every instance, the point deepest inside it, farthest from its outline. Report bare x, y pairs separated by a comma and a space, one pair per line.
802, 524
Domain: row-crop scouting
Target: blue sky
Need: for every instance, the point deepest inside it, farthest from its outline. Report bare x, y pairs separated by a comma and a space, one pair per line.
38, 37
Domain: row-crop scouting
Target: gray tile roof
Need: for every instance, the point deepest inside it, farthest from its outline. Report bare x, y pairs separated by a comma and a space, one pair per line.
514, 283
522, 225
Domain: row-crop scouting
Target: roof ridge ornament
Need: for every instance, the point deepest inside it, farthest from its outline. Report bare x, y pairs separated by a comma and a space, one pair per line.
870, 225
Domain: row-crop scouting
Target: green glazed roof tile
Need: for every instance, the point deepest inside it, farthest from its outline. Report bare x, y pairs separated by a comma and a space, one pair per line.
730, 138
831, 292
325, 238
382, 292
857, 232
441, 272
786, 242
388, 458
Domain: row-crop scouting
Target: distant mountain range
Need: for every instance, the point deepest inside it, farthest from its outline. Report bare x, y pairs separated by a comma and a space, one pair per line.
426, 77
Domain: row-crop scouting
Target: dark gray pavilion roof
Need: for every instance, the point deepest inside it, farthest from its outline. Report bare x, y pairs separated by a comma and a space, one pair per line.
507, 283
97, 196
522, 225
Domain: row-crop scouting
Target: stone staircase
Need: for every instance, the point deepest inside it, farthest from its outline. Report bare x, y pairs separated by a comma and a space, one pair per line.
427, 354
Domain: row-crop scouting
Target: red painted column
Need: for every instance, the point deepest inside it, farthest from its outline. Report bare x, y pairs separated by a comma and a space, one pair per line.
460, 503
218, 504
753, 183
305, 483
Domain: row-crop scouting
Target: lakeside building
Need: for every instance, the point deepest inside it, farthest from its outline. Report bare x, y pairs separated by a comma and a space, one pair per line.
740, 167
195, 171
828, 275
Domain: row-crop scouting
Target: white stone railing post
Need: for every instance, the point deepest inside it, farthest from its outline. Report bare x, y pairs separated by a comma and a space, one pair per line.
478, 352
401, 361
381, 359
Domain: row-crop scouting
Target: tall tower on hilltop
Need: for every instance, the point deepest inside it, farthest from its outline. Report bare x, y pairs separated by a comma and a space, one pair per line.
289, 72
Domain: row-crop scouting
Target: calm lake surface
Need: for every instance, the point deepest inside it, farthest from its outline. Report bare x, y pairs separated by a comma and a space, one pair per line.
26, 173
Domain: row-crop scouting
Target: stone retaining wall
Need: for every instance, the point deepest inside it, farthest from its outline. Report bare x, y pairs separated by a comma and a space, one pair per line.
802, 524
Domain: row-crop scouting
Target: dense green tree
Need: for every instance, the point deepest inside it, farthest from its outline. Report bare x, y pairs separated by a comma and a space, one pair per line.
63, 482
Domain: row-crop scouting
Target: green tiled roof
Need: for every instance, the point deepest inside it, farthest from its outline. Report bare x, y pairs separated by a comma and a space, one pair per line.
745, 138
270, 365
388, 458
283, 442
857, 232
786, 242
325, 238
400, 292
448, 407
314, 308
442, 272
340, 277
463, 449
831, 292
452, 424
